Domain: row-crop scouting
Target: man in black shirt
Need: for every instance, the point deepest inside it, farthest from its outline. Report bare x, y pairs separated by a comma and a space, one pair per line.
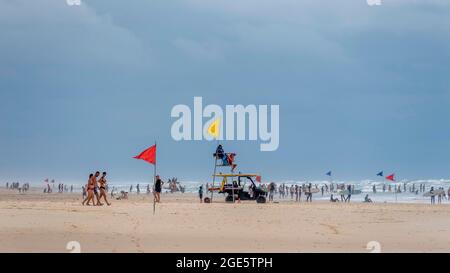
157, 189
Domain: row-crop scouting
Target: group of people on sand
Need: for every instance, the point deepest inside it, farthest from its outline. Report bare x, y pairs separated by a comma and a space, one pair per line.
96, 190
16, 186
295, 192
62, 188
440, 194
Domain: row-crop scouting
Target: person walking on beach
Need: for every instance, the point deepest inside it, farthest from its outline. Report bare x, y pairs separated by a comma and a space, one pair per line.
103, 183
271, 191
90, 191
84, 192
433, 197
440, 197
138, 189
342, 196
94, 180
309, 194
300, 189
200, 193
158, 189
349, 196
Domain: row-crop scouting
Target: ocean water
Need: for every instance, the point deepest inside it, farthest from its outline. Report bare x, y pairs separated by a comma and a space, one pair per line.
366, 186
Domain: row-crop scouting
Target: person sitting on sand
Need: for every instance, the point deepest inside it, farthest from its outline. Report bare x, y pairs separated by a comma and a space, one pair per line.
90, 191
367, 199
102, 181
333, 200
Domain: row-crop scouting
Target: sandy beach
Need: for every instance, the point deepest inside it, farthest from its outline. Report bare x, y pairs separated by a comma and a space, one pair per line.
37, 222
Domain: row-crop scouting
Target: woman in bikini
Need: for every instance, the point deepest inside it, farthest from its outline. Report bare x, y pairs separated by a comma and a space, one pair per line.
102, 182
90, 191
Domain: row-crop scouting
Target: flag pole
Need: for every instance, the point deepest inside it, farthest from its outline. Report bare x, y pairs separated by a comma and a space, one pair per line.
214, 131
214, 175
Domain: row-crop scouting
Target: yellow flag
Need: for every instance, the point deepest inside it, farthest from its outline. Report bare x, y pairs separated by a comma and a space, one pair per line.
214, 128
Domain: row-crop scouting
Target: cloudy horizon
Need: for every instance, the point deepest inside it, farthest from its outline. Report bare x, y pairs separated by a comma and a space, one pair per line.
361, 88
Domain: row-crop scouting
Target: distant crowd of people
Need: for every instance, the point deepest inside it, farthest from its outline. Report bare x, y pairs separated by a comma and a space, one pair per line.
16, 186
296, 192
412, 188
64, 188
96, 190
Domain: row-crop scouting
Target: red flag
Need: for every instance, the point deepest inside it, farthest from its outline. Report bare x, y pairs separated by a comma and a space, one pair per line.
391, 177
148, 155
258, 179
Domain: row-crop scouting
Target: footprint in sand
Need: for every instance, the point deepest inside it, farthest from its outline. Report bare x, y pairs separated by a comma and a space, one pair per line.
333, 228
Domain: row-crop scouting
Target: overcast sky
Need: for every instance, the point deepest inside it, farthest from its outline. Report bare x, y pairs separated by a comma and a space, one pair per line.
361, 89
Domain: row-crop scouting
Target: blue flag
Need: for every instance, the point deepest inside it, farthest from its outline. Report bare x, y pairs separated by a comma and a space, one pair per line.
380, 174
329, 173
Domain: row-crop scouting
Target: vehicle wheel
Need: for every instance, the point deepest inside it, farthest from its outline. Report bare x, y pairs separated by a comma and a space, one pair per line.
207, 200
261, 200
229, 199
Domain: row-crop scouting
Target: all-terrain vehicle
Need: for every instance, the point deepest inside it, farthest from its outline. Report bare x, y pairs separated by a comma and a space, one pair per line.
240, 187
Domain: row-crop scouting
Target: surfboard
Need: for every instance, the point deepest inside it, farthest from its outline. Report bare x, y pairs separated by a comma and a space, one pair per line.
345, 192
342, 192
434, 193
313, 190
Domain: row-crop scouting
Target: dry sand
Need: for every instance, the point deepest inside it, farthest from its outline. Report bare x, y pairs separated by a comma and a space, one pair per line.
37, 222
